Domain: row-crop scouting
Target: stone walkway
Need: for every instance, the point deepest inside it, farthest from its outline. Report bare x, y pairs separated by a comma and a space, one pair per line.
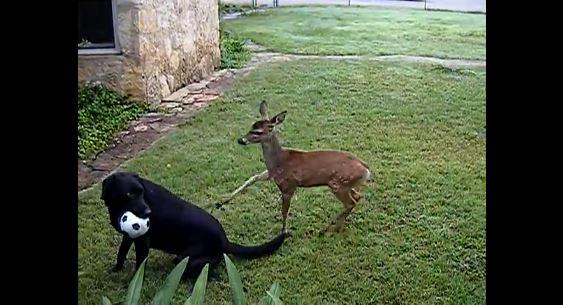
188, 101
261, 55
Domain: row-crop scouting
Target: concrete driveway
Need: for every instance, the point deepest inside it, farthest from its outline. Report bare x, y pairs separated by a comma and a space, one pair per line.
452, 5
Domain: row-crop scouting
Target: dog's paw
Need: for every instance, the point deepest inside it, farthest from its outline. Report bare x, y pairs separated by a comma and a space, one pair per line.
214, 276
176, 260
116, 268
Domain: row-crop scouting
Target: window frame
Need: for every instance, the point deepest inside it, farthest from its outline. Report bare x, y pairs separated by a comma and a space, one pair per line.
106, 51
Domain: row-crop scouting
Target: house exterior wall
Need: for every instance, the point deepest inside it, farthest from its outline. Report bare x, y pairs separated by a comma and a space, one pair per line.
165, 44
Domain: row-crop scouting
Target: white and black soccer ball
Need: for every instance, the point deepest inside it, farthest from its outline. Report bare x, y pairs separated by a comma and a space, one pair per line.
133, 225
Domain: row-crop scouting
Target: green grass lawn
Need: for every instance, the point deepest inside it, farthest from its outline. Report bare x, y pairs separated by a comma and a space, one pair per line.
418, 237
365, 31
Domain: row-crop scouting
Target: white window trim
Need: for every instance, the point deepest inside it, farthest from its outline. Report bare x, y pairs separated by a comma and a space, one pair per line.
106, 51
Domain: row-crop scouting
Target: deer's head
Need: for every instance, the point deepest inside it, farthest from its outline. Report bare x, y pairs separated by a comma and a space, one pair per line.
263, 129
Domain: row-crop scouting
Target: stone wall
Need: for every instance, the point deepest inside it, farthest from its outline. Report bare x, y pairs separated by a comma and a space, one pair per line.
179, 43
166, 44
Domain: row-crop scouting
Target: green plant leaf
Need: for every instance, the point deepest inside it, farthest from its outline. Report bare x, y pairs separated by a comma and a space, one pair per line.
275, 290
235, 282
198, 293
272, 296
274, 300
134, 290
166, 292
105, 301
188, 301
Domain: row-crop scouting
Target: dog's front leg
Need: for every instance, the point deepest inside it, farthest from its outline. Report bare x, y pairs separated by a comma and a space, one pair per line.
141, 250
126, 243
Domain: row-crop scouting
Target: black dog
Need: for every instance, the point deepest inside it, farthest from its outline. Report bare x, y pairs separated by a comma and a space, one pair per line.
176, 226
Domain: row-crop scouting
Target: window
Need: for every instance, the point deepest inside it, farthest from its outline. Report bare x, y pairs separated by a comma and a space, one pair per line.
97, 27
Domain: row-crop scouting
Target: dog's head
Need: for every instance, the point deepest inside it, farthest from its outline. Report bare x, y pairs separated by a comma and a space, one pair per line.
124, 192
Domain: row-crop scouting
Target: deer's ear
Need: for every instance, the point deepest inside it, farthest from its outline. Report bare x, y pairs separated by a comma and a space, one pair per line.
264, 110
278, 118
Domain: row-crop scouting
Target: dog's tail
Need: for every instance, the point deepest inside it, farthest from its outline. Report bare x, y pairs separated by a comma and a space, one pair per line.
255, 251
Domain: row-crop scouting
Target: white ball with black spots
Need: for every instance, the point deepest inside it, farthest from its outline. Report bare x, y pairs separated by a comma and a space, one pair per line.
133, 225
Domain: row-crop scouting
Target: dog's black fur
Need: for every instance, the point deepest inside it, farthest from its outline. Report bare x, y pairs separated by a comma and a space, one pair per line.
176, 226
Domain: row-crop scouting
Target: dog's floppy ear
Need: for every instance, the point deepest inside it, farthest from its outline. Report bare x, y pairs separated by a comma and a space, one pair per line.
137, 177
105, 183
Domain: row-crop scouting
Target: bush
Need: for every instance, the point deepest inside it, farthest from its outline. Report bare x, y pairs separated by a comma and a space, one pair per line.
101, 114
165, 294
234, 53
229, 8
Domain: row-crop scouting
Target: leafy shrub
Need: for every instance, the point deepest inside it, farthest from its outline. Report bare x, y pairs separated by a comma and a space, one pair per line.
229, 8
101, 114
234, 53
165, 294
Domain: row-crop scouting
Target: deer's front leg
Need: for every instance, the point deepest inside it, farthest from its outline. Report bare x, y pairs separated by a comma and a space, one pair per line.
287, 194
258, 177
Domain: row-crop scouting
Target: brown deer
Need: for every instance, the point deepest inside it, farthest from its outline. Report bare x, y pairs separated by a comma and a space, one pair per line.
342, 172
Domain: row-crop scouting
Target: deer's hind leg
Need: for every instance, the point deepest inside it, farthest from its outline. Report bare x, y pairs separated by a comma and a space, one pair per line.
344, 194
355, 194
361, 181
